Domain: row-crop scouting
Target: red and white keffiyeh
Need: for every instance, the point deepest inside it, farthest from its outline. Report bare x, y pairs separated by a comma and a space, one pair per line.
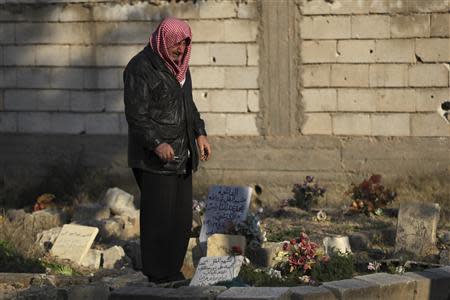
170, 32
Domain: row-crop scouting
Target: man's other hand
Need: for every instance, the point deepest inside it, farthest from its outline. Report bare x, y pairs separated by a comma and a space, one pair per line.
204, 147
165, 152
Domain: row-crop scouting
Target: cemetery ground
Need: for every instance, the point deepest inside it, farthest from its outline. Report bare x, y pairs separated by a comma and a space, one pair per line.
369, 224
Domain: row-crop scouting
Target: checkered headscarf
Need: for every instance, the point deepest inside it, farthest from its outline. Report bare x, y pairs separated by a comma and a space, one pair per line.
170, 32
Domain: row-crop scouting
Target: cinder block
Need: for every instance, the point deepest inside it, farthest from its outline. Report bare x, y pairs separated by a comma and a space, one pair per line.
395, 51
356, 100
428, 124
69, 123
319, 100
353, 289
7, 33
114, 101
329, 27
138, 11
252, 293
8, 121
208, 77
52, 55
228, 54
8, 77
316, 75
379, 7
391, 286
317, 123
200, 55
314, 7
349, 7
241, 124
201, 99
350, 75
34, 122
69, 78
105, 78
428, 75
433, 50
87, 101
429, 285
253, 100
410, 26
123, 124
356, 51
20, 100
124, 32
33, 77
116, 55
252, 54
53, 100
318, 51
208, 31
19, 55
427, 100
82, 55
75, 12
390, 125
440, 25
351, 124
241, 77
228, 101
311, 293
217, 10
374, 26
396, 100
53, 33
240, 30
247, 10
102, 123
388, 75
216, 124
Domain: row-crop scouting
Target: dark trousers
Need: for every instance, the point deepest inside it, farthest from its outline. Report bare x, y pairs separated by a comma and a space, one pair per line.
166, 220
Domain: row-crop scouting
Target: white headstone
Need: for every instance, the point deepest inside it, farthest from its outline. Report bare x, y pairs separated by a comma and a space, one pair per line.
225, 204
337, 243
214, 269
73, 242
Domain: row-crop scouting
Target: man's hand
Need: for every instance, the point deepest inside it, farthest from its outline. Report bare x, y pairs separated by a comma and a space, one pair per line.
165, 152
204, 147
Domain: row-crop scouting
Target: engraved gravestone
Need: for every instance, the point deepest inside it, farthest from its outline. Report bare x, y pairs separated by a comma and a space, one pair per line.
225, 205
73, 242
214, 269
416, 228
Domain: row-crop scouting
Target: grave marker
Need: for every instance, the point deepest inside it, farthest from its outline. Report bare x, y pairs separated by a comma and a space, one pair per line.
73, 242
225, 204
214, 269
416, 228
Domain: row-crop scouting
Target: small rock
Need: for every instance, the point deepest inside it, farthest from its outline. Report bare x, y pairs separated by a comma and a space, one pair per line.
83, 214
119, 202
110, 229
92, 259
47, 238
115, 257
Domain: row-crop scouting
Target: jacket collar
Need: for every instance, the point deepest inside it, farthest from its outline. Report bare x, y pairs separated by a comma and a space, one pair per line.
158, 63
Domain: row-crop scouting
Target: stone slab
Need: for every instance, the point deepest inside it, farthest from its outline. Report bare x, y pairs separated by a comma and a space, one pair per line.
311, 293
352, 289
255, 293
430, 285
391, 286
73, 242
221, 244
211, 270
225, 204
416, 228
92, 259
154, 293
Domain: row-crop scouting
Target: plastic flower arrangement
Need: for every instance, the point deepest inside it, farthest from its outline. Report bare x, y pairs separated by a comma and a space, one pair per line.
199, 206
251, 229
306, 194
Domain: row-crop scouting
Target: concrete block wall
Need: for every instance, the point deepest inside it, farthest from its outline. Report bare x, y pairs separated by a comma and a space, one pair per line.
374, 68
61, 62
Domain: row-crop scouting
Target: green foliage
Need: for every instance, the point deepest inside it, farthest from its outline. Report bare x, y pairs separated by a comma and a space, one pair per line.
60, 269
11, 261
252, 276
283, 234
339, 266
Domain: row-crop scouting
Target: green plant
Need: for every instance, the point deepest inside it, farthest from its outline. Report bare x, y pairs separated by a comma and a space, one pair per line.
60, 269
253, 276
11, 261
370, 196
338, 266
306, 195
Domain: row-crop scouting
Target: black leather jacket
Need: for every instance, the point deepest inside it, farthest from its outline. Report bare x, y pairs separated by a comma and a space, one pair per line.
159, 110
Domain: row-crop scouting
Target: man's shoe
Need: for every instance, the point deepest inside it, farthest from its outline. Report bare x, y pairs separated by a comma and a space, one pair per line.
444, 111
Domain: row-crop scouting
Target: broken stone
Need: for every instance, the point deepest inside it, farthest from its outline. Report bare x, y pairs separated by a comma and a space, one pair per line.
92, 259
130, 278
119, 202
120, 227
416, 229
83, 214
223, 244
47, 238
73, 242
115, 258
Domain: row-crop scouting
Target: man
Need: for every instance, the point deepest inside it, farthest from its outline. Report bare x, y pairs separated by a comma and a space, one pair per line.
164, 132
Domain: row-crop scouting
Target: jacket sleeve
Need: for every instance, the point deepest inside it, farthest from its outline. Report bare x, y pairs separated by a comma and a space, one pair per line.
137, 98
198, 123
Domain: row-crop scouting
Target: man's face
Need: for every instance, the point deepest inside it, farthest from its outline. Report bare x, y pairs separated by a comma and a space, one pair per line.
176, 52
